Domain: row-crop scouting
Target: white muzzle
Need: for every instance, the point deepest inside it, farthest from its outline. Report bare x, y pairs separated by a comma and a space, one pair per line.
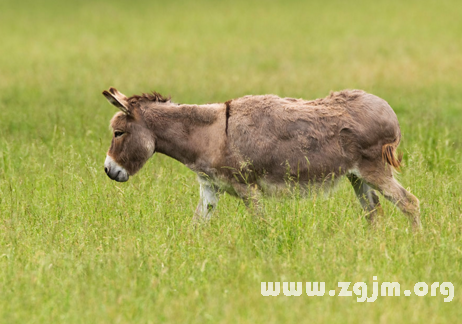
115, 171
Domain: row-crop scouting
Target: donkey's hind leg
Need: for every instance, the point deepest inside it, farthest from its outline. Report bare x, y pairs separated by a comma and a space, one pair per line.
367, 197
407, 202
381, 178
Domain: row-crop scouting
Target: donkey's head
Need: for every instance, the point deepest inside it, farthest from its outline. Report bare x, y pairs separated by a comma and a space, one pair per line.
132, 142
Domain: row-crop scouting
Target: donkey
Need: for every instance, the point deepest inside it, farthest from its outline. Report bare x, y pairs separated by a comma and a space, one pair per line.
258, 144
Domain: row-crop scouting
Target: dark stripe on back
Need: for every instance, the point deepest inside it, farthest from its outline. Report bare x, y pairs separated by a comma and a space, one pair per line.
227, 103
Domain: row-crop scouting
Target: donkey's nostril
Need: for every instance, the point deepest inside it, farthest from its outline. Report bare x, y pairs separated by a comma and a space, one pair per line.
106, 170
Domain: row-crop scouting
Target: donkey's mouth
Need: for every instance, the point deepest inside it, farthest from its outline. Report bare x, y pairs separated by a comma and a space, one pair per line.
115, 171
120, 177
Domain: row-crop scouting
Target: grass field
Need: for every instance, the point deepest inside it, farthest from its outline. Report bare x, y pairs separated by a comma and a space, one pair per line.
76, 247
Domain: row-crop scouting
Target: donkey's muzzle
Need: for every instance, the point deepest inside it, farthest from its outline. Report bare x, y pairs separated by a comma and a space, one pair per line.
115, 171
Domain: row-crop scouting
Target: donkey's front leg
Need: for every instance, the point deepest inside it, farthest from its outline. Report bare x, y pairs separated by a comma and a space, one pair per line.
207, 203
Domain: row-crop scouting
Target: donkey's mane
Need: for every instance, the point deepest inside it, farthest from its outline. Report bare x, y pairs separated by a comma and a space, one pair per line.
154, 96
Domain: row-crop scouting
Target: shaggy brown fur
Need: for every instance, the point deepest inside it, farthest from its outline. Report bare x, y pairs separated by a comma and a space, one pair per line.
262, 143
153, 96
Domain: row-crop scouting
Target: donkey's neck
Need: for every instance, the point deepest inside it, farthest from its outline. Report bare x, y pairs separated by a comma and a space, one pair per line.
191, 134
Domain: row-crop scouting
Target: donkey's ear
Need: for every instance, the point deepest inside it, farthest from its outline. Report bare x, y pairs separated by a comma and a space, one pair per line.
117, 99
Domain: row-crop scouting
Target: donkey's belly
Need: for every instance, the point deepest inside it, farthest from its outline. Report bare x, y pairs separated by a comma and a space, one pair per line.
268, 187
324, 186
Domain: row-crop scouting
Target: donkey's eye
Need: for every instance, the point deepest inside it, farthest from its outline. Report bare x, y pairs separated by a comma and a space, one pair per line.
118, 133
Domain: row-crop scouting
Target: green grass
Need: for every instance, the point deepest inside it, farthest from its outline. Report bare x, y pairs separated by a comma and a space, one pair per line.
76, 247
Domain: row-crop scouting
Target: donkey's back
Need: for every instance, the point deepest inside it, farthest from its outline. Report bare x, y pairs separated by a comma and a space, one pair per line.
309, 140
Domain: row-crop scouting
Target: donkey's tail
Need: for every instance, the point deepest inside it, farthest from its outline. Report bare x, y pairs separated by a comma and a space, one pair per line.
390, 155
